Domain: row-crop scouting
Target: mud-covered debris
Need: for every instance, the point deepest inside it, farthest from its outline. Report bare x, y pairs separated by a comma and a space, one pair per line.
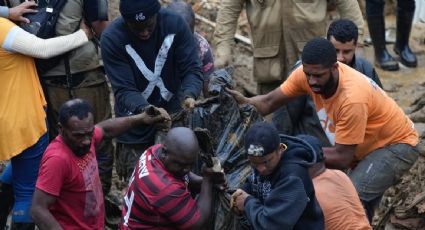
220, 125
403, 206
220, 79
392, 87
205, 143
418, 116
419, 103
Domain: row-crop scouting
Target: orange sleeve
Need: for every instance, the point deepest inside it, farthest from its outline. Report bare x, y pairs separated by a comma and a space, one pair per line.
296, 84
5, 26
351, 124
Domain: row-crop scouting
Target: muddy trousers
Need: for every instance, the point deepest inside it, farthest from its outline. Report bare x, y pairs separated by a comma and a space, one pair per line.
380, 170
127, 155
92, 87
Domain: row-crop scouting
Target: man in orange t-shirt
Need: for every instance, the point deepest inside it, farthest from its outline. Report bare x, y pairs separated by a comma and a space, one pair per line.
369, 132
336, 195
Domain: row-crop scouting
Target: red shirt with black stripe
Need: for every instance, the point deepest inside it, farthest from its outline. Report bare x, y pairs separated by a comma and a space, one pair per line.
157, 199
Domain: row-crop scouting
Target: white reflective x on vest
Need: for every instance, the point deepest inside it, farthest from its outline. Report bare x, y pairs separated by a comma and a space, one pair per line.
154, 78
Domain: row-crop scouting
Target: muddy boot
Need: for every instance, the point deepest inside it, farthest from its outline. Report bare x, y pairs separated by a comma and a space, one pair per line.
23, 226
383, 59
6, 203
401, 47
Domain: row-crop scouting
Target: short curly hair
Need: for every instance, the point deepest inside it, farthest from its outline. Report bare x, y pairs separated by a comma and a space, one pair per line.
343, 30
319, 51
76, 107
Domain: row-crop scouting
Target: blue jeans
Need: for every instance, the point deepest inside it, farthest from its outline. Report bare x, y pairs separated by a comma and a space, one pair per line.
24, 176
6, 176
380, 170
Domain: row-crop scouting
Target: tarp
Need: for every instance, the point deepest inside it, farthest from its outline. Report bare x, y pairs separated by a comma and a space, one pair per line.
225, 123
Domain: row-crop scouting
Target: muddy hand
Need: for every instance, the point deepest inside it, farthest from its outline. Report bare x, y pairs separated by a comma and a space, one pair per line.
239, 97
15, 13
165, 125
189, 103
238, 199
213, 176
86, 29
219, 180
162, 117
233, 200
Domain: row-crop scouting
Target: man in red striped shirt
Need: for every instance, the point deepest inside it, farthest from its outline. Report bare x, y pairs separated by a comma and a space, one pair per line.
158, 195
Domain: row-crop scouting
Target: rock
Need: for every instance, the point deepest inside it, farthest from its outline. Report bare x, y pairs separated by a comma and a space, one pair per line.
420, 128
418, 116
419, 103
392, 87
421, 147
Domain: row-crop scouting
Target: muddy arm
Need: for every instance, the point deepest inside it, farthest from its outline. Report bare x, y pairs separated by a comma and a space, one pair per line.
40, 210
340, 156
116, 126
265, 104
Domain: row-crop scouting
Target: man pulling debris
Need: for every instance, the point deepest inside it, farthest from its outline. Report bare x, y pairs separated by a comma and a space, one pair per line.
158, 194
369, 132
279, 194
151, 58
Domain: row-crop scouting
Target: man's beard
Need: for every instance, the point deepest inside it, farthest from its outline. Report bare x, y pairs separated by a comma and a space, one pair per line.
82, 151
329, 85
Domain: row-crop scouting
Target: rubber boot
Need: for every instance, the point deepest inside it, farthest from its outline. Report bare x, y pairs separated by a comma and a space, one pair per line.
401, 46
383, 59
6, 203
23, 226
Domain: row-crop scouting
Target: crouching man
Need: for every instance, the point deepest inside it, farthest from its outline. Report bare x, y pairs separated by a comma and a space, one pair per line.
279, 194
159, 193
68, 192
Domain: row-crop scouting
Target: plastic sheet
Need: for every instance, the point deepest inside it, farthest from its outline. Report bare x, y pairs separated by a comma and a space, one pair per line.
220, 125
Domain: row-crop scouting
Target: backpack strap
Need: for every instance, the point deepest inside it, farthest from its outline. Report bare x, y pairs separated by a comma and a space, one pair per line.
69, 83
7, 3
102, 13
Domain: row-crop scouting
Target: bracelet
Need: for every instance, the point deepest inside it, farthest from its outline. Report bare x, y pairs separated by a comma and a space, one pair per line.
4, 11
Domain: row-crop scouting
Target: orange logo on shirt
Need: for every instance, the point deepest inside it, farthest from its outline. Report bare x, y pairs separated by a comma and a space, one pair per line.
327, 125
